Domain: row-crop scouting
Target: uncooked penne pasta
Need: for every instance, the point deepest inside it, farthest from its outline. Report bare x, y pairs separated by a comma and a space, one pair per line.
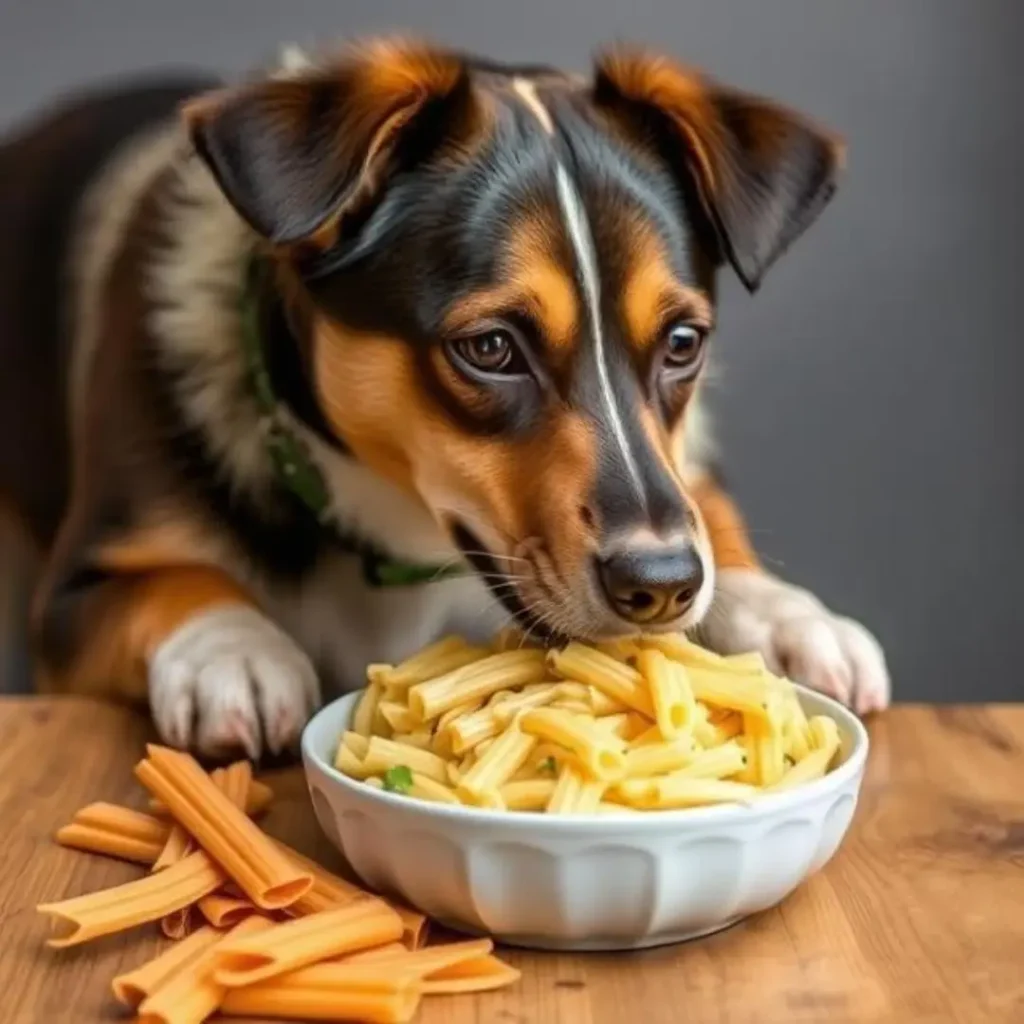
178, 846
260, 797
422, 962
381, 998
482, 974
111, 843
134, 986
124, 821
191, 993
618, 681
601, 754
134, 903
270, 880
224, 911
305, 940
475, 681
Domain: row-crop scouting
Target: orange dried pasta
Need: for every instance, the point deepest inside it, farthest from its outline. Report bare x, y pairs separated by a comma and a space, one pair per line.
482, 974
191, 994
134, 903
134, 986
306, 940
263, 873
382, 998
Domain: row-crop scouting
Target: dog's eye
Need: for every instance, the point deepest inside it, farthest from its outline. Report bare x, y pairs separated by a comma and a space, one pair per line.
491, 351
683, 346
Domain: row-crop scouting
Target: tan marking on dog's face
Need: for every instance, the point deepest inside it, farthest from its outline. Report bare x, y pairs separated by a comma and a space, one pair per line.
524, 498
536, 282
653, 297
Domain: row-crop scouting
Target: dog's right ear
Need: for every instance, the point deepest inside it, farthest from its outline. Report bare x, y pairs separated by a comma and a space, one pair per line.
294, 154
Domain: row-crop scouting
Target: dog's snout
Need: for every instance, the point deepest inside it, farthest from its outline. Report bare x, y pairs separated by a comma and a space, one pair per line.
651, 585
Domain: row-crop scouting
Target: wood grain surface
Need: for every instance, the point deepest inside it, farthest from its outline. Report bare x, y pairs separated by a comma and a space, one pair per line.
919, 918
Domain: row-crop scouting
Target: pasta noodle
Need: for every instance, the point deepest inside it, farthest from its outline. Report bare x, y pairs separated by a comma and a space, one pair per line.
134, 986
475, 681
270, 880
110, 842
134, 903
306, 940
482, 974
625, 727
601, 755
384, 999
191, 993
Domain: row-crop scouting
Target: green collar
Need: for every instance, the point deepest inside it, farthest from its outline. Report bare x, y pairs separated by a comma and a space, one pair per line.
298, 472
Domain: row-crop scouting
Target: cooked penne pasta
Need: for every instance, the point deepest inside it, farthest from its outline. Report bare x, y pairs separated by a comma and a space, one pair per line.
438, 659
614, 726
475, 681
366, 710
421, 962
134, 903
497, 765
528, 794
305, 940
601, 754
620, 682
659, 758
398, 716
383, 754
673, 712
270, 880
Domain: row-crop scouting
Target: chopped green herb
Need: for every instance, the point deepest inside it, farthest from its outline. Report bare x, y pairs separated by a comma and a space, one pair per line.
548, 765
398, 779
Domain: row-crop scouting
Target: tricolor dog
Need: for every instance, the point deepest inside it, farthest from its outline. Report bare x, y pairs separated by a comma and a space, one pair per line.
305, 372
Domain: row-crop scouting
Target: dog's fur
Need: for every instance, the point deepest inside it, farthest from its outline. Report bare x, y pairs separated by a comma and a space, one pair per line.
402, 203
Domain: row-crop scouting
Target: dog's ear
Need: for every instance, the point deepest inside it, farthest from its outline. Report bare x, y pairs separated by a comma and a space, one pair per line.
294, 154
762, 173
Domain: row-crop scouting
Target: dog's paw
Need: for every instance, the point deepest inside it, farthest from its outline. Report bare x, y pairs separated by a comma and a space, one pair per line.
798, 637
229, 679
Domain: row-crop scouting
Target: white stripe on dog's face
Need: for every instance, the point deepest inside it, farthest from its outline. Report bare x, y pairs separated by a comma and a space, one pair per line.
582, 240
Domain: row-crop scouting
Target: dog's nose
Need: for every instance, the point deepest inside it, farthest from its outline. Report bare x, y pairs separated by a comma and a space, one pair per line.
651, 585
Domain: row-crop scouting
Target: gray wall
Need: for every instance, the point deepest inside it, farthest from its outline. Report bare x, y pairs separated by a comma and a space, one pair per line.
868, 410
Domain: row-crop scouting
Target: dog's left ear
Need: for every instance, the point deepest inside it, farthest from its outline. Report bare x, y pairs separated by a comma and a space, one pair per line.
762, 173
297, 152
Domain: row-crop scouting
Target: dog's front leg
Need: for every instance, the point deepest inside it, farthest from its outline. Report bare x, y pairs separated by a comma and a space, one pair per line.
218, 674
796, 634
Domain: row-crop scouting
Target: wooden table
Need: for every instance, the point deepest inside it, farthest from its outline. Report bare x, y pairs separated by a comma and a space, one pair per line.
920, 917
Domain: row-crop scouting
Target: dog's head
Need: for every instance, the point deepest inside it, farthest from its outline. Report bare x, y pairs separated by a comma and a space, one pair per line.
509, 283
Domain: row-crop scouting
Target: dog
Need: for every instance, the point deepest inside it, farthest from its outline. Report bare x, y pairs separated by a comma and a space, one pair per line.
310, 370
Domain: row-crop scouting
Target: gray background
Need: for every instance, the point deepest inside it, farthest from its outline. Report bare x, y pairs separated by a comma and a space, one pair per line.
868, 408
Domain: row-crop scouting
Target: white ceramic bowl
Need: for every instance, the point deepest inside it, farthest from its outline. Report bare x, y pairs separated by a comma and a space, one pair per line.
585, 883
